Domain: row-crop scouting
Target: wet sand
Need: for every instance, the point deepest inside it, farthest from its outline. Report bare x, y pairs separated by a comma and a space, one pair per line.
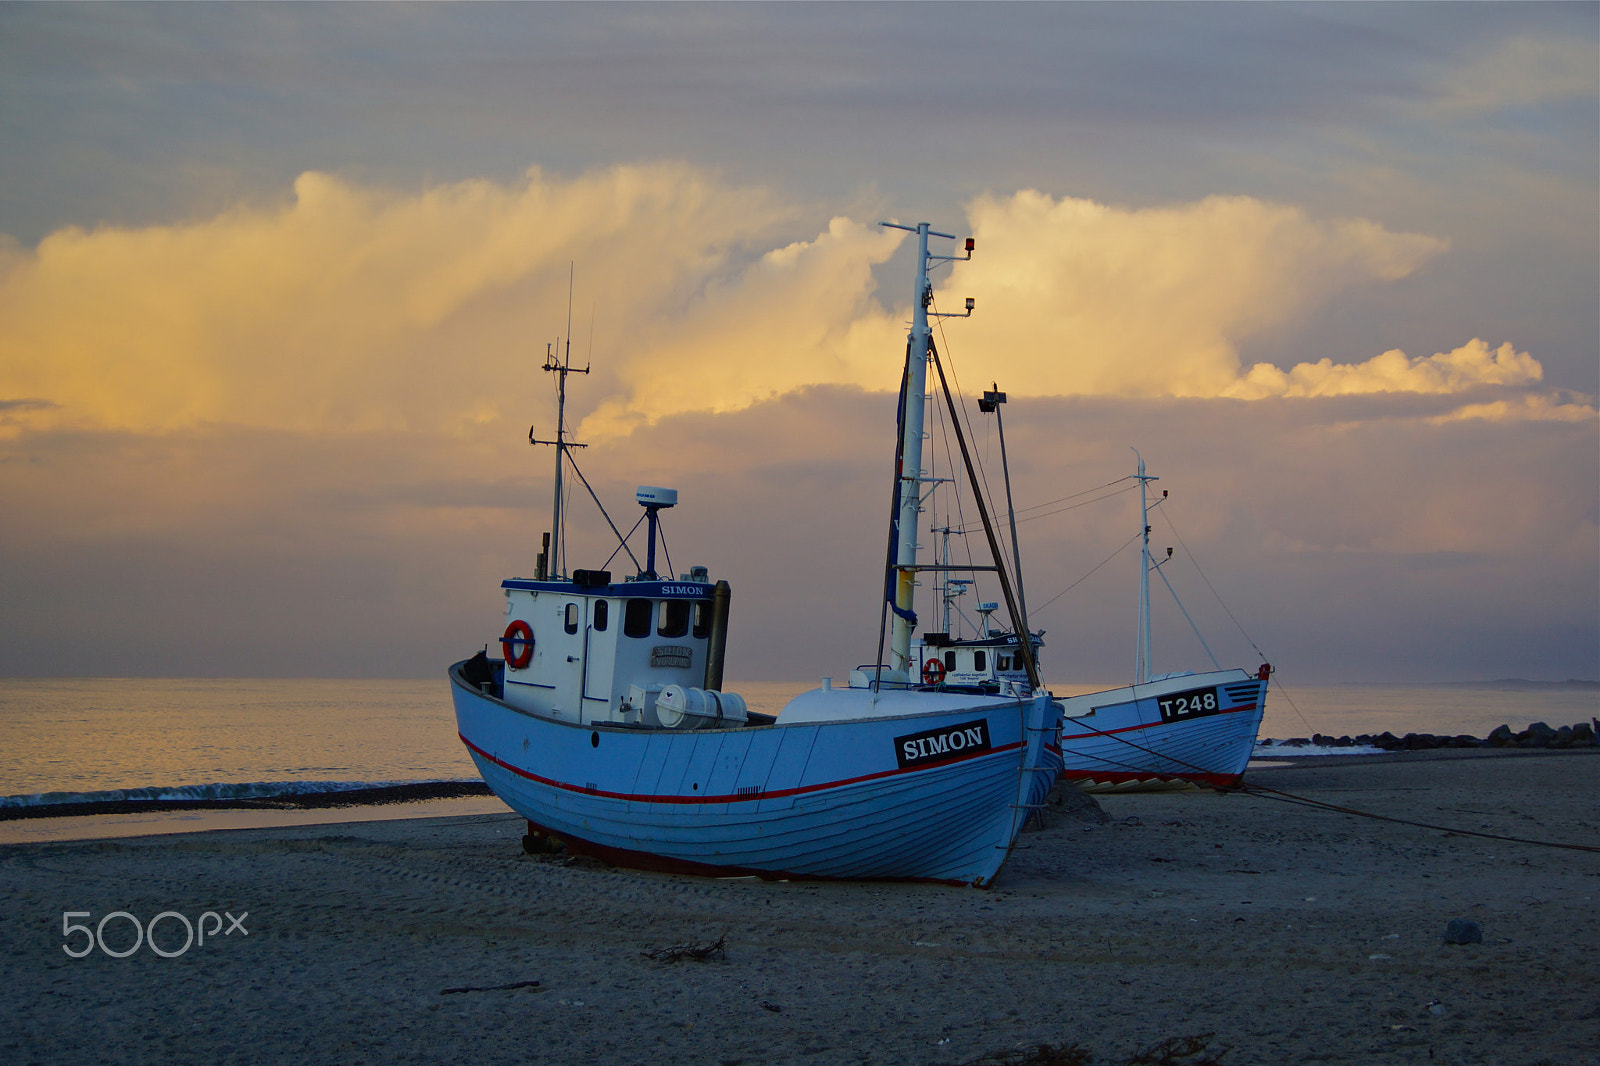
1293, 935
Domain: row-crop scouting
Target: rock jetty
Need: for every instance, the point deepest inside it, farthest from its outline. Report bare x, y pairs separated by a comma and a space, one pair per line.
1537, 735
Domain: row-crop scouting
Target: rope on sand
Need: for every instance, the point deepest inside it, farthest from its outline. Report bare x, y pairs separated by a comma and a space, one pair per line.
1263, 792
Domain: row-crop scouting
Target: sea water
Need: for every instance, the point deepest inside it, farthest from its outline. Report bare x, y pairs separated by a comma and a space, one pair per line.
65, 739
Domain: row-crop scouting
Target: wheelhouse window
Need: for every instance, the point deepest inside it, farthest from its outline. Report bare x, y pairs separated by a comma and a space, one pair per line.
949, 661
570, 623
602, 615
980, 660
702, 619
1002, 662
636, 618
673, 620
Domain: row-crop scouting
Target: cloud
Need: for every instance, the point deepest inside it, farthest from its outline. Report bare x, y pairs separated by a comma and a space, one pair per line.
1526, 408
1522, 72
801, 315
1466, 367
351, 308
356, 309
1351, 549
1077, 297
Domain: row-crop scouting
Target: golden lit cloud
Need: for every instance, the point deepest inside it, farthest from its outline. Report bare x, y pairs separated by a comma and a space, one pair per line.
352, 308
1525, 408
1470, 365
1077, 297
349, 308
801, 315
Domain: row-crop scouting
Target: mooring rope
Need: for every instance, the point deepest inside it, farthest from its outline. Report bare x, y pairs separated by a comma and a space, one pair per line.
1263, 792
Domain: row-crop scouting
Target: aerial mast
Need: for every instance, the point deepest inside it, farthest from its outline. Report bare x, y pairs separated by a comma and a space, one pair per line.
1141, 668
561, 366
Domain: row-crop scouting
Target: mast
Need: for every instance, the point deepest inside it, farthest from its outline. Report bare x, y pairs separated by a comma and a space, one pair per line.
991, 402
916, 386
1141, 666
944, 579
909, 476
561, 366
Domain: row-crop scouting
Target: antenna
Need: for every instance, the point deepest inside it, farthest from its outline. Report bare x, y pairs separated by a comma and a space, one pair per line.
654, 499
561, 367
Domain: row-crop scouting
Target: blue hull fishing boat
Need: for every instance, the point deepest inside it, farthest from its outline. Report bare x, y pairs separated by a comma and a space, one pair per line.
1174, 730
604, 723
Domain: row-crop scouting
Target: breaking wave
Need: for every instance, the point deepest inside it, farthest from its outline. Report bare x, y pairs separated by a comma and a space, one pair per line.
222, 792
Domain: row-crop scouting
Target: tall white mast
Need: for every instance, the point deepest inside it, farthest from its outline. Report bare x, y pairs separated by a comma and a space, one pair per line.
1141, 668
911, 457
910, 473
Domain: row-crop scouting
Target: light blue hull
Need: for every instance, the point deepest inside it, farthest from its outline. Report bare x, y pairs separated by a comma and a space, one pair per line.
1121, 740
858, 799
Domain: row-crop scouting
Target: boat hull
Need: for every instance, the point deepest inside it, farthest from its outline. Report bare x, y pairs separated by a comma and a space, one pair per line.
835, 799
1163, 734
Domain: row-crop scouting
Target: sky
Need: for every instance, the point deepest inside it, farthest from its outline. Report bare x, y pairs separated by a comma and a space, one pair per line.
277, 282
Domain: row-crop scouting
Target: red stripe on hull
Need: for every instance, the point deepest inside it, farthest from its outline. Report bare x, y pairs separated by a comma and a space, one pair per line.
736, 798
1145, 725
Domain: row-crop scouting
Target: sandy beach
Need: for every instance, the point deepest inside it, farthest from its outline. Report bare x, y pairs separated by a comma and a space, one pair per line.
1292, 935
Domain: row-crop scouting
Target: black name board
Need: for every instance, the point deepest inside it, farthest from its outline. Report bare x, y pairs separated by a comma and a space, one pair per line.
937, 745
1195, 703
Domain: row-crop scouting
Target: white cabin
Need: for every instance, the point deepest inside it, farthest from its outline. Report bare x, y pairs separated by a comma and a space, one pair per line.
642, 652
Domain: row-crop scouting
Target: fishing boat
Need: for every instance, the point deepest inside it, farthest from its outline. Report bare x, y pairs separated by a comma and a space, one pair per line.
604, 723
1171, 730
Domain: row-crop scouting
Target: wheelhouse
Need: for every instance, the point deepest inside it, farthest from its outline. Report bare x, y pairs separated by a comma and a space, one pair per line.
591, 650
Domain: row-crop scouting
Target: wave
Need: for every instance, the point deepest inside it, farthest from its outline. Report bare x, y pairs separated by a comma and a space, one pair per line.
297, 793
1279, 749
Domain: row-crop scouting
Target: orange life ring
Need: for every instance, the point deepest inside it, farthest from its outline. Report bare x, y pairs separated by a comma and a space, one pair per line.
933, 672
517, 644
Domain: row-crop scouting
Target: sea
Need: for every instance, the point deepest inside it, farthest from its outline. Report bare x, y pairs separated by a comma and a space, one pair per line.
101, 740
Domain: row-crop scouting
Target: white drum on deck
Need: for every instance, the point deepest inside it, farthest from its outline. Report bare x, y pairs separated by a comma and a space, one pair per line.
696, 708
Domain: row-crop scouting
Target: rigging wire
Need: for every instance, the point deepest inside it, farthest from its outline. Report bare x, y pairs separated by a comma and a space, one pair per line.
1073, 507
964, 527
983, 473
890, 554
1284, 692
623, 545
1196, 629
623, 541
1075, 495
955, 488
1085, 577
1210, 586
561, 542
661, 529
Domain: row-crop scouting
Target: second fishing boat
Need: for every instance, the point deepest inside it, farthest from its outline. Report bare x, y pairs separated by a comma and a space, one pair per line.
1172, 730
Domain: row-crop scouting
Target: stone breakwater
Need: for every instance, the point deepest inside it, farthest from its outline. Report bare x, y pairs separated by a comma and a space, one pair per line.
1537, 735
